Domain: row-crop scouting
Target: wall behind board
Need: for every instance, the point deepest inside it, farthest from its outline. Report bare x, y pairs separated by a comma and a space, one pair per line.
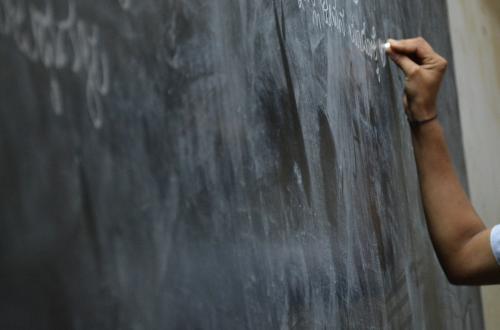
475, 32
219, 164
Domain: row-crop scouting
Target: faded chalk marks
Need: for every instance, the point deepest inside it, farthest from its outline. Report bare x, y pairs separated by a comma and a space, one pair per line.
286, 139
125, 4
90, 221
337, 229
397, 298
285, 120
329, 170
398, 304
56, 96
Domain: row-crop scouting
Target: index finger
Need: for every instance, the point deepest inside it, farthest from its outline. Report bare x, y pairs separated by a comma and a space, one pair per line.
417, 47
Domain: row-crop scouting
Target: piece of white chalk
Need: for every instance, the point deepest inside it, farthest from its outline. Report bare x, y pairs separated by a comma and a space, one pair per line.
387, 46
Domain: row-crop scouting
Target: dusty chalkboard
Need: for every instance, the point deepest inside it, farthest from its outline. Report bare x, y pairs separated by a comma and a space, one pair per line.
220, 164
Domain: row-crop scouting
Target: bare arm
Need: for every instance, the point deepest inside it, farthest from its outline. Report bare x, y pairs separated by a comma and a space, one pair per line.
460, 238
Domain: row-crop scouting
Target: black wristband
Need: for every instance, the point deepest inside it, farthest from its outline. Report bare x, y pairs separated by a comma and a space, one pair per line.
418, 123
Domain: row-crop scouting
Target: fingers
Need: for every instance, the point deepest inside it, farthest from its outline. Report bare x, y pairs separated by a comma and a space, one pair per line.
416, 47
404, 62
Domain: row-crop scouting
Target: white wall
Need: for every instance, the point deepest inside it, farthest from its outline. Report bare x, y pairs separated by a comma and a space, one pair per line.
475, 32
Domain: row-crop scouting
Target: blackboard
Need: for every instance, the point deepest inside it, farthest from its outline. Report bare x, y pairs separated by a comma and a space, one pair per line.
221, 164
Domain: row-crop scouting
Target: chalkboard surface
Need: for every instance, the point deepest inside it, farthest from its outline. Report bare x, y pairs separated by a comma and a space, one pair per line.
222, 164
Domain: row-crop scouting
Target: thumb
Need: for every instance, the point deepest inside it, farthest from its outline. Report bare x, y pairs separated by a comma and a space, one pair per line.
404, 62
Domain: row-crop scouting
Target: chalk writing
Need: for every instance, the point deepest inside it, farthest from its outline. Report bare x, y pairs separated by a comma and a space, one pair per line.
67, 43
327, 14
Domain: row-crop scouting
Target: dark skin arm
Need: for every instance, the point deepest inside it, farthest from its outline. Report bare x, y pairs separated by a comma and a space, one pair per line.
459, 236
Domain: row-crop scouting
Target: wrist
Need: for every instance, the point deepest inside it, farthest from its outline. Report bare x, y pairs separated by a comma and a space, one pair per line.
421, 114
417, 123
427, 132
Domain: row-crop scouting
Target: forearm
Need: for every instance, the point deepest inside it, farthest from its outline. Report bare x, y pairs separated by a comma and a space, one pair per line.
459, 236
451, 217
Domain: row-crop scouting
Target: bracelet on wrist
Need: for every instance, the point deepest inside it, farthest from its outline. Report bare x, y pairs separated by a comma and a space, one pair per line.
418, 123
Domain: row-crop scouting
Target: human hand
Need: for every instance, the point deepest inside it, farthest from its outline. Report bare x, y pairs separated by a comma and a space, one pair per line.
424, 70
